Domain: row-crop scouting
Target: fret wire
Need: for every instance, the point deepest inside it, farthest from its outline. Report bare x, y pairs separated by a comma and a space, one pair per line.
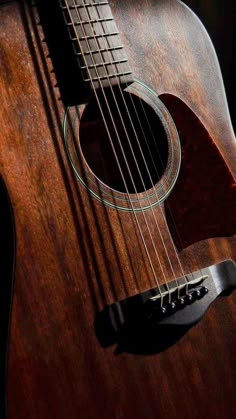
106, 35
103, 30
97, 51
125, 73
79, 6
107, 44
85, 22
125, 60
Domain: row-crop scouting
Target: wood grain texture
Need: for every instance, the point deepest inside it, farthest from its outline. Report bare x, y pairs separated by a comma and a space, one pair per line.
74, 255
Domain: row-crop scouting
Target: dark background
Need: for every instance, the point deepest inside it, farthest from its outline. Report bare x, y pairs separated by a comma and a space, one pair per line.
219, 18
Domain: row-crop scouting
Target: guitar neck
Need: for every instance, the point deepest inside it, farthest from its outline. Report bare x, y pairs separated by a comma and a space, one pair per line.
96, 42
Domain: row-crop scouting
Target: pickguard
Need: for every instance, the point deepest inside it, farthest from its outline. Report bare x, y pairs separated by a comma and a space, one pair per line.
202, 204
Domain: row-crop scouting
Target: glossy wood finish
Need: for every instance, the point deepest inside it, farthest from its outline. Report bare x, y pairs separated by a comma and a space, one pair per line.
74, 255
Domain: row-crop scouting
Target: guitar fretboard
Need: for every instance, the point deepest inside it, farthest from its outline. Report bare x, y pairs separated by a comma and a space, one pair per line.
96, 42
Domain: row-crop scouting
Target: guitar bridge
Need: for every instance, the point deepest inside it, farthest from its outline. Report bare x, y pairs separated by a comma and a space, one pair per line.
142, 323
179, 287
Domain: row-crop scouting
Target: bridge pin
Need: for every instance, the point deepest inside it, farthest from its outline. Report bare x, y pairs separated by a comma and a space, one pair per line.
163, 310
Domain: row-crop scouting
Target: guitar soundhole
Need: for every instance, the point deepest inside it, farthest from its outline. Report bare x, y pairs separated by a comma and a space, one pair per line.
136, 139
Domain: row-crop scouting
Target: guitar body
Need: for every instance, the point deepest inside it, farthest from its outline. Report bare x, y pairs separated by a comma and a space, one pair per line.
75, 254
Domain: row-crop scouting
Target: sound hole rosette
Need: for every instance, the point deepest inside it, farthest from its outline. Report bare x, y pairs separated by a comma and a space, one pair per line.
100, 190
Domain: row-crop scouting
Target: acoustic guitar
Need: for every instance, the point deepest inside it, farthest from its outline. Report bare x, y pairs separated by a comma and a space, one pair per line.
118, 221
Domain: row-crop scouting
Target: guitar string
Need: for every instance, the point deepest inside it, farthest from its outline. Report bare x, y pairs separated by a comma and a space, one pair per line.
155, 168
129, 170
175, 251
156, 195
110, 139
140, 205
95, 19
107, 45
89, 17
186, 279
173, 218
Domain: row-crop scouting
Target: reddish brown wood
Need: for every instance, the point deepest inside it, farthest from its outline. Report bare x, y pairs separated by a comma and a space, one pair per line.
74, 255
203, 198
